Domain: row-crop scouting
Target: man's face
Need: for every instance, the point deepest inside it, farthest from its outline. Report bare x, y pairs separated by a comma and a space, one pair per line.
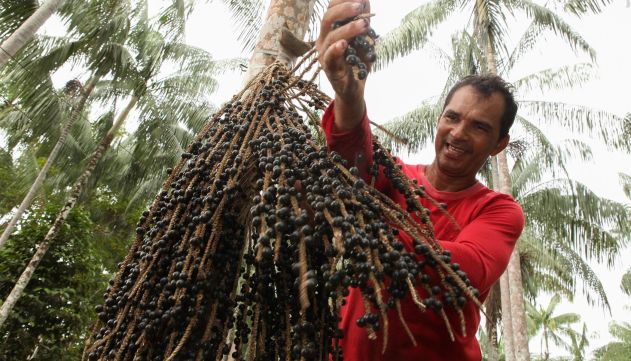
468, 132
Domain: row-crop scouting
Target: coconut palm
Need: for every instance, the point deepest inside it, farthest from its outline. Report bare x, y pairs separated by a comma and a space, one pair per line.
553, 327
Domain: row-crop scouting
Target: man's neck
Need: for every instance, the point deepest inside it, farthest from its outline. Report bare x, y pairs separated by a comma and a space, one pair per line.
444, 182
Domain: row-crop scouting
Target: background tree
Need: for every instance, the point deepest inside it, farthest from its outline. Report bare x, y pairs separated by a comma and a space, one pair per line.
144, 87
553, 327
620, 349
42, 59
14, 43
57, 308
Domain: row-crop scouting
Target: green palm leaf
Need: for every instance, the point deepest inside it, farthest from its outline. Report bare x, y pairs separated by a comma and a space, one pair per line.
546, 18
414, 30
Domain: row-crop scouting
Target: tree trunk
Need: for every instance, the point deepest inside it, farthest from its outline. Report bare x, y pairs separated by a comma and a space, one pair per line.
507, 320
33, 355
293, 15
491, 304
545, 338
27, 31
39, 181
492, 309
518, 311
77, 189
517, 308
514, 284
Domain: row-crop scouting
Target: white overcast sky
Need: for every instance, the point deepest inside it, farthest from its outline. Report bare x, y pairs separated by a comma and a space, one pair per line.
405, 83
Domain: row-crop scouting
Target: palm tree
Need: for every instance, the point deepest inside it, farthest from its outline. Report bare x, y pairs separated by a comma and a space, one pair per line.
143, 88
45, 57
620, 349
268, 42
10, 47
567, 225
577, 345
553, 327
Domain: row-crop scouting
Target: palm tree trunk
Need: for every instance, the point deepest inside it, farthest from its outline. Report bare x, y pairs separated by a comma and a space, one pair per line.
490, 305
293, 15
516, 303
517, 308
77, 189
492, 309
507, 324
507, 320
545, 339
39, 181
27, 31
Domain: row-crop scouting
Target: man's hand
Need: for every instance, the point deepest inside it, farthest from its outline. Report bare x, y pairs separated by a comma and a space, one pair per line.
331, 44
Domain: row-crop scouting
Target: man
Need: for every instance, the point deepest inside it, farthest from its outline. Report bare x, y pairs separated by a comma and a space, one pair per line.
474, 124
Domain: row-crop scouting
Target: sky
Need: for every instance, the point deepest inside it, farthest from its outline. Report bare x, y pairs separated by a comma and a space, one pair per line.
405, 83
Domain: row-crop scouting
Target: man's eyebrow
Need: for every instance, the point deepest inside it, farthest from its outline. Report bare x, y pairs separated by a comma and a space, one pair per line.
451, 112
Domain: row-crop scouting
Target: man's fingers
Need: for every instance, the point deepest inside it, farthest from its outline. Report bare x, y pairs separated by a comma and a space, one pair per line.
345, 32
339, 12
333, 3
333, 58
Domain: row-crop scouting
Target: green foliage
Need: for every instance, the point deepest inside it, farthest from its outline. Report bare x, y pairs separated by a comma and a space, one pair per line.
580, 7
553, 327
58, 304
625, 285
620, 349
8, 195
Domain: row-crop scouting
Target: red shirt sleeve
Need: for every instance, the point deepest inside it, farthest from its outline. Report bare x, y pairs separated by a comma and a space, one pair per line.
354, 145
484, 246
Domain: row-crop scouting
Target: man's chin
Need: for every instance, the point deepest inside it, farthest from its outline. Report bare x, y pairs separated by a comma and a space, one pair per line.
453, 168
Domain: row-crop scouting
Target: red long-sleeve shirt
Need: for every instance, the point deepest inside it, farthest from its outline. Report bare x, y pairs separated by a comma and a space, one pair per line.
490, 223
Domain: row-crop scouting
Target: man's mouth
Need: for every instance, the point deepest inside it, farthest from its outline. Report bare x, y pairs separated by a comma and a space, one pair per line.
454, 151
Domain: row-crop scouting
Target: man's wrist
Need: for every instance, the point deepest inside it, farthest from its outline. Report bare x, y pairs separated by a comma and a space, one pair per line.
349, 112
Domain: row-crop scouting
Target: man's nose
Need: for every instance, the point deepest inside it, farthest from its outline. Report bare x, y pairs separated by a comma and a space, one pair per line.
459, 131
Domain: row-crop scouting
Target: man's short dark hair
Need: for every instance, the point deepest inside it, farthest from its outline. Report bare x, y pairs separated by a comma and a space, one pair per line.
486, 85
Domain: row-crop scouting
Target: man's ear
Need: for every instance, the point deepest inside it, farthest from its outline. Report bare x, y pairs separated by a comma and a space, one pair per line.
501, 145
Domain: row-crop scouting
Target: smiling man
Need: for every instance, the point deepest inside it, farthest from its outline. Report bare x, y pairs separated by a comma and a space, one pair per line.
474, 124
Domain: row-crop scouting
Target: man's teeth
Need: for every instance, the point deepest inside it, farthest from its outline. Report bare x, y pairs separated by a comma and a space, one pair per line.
455, 149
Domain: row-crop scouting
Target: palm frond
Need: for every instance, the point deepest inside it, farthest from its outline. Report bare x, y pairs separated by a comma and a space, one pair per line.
490, 29
413, 32
468, 59
526, 42
417, 127
568, 76
604, 125
546, 18
580, 7
248, 17
13, 13
625, 181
